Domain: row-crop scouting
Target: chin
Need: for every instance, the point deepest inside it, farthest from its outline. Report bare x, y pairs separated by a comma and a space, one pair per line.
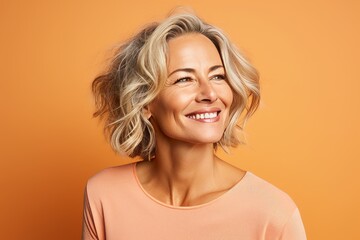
207, 139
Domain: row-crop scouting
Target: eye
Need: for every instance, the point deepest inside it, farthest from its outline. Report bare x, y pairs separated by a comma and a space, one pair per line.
218, 77
183, 80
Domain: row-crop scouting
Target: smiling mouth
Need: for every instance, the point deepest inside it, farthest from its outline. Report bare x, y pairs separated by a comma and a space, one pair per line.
208, 115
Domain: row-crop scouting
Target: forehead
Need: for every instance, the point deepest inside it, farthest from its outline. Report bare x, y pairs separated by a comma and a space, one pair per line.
191, 48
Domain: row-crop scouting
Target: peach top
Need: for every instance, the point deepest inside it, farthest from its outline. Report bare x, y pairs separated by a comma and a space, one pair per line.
117, 207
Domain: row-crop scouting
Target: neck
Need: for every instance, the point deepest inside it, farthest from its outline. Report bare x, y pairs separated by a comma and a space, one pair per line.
183, 163
184, 172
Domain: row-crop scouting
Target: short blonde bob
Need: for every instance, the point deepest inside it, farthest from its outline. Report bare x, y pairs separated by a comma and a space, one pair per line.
138, 70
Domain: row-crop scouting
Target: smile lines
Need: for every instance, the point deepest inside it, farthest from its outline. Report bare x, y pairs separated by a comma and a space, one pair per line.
203, 115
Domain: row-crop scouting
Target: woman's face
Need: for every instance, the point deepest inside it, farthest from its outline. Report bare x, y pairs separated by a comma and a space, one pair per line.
194, 104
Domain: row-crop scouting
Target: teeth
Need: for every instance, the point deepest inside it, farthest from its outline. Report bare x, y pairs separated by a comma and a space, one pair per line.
203, 115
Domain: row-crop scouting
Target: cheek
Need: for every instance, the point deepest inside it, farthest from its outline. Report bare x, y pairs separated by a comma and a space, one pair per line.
230, 96
226, 95
168, 105
174, 101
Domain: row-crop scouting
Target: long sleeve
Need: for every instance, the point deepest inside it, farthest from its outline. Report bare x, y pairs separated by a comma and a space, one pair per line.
294, 228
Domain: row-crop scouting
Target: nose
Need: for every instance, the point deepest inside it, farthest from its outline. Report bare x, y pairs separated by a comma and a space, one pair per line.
206, 92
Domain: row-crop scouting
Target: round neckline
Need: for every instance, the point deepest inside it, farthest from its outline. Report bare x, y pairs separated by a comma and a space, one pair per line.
149, 196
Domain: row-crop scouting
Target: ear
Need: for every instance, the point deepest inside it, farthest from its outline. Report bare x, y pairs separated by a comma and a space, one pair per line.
146, 112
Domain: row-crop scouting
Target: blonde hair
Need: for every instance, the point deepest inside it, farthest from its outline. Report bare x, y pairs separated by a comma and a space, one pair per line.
137, 72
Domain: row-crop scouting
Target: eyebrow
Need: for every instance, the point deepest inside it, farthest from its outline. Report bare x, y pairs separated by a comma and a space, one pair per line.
191, 70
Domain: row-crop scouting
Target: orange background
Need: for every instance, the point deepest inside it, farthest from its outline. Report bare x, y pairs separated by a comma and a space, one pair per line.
304, 138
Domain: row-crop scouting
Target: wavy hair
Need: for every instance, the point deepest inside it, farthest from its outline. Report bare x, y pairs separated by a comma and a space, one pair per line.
137, 71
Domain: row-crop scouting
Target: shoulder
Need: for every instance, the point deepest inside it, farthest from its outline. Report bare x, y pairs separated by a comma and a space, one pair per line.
268, 201
267, 192
105, 181
269, 207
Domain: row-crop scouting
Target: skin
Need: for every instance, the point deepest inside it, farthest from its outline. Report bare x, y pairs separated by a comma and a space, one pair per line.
185, 171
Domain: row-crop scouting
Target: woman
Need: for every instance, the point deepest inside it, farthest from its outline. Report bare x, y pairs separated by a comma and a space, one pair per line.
172, 95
